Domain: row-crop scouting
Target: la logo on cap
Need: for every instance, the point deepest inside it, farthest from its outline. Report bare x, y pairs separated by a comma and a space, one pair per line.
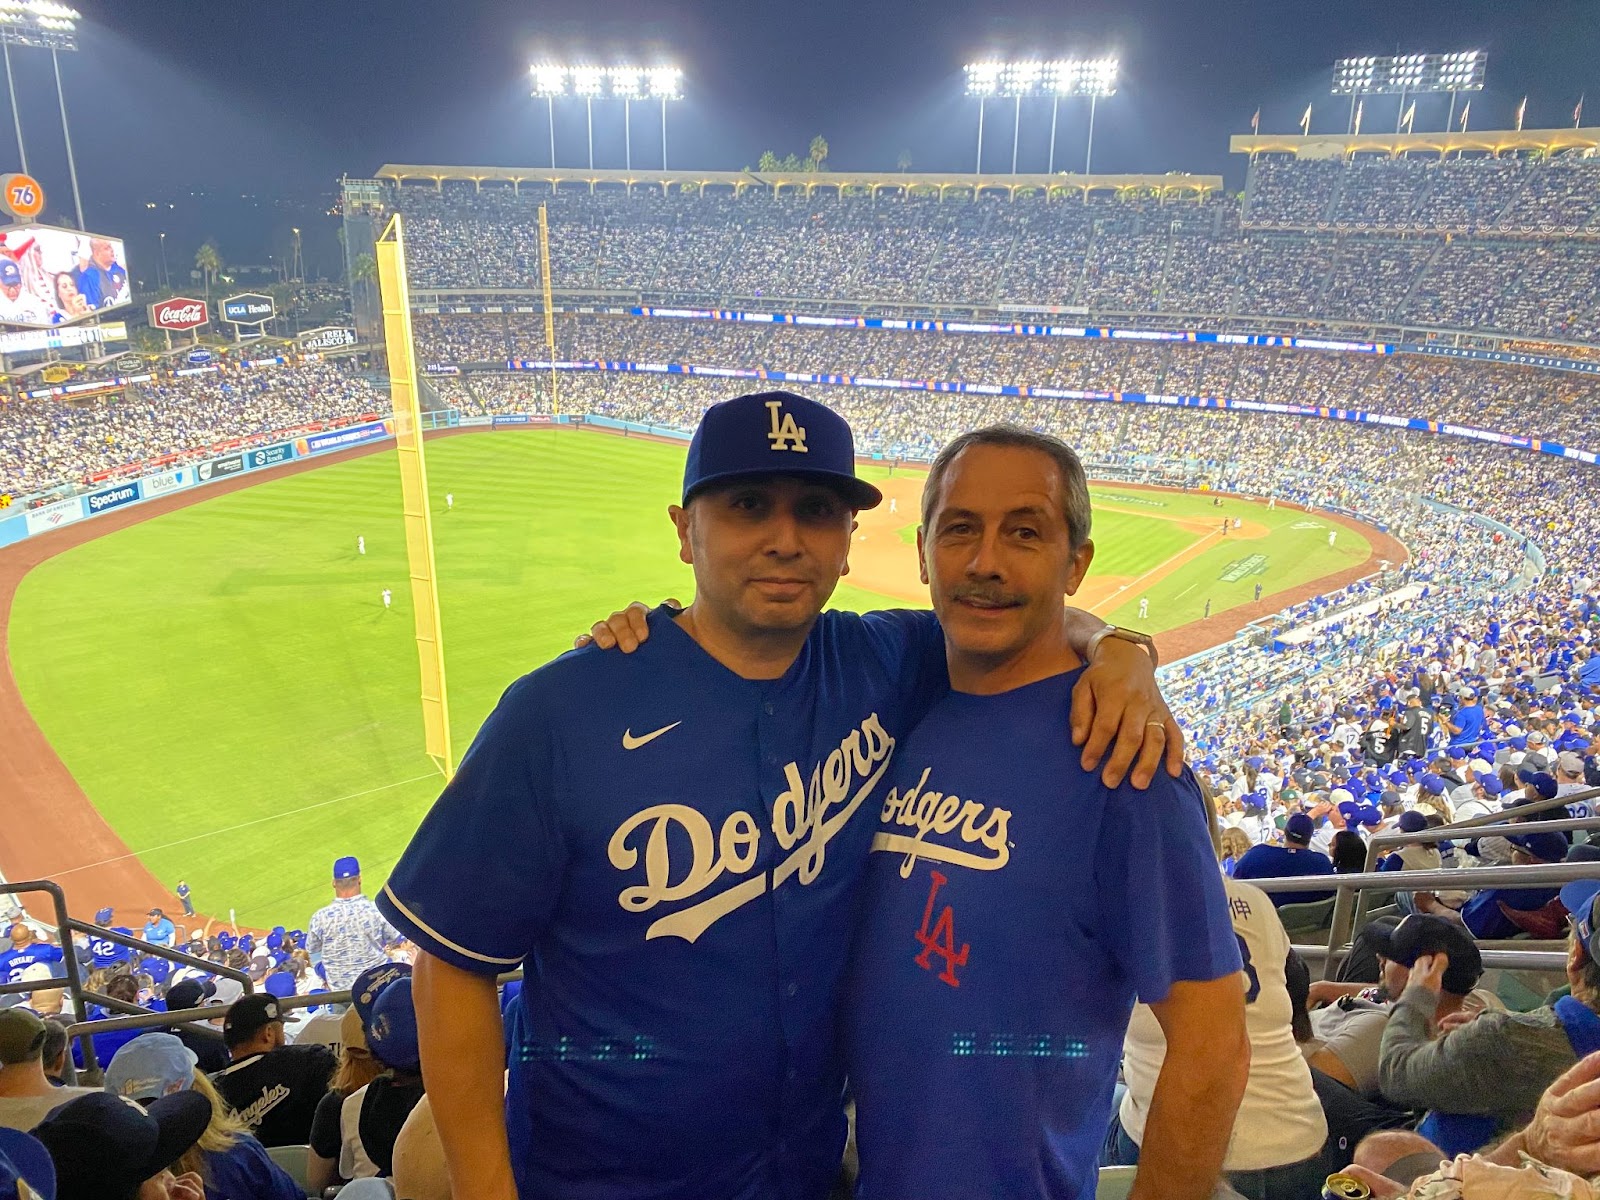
785, 434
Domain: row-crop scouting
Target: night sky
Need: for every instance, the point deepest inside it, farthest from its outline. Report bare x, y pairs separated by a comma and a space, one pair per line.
274, 100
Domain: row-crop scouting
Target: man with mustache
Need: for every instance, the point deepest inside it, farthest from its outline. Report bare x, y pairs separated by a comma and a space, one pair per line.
672, 843
1016, 905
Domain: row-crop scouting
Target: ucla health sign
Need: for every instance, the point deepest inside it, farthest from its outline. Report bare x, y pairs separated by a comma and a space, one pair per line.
248, 308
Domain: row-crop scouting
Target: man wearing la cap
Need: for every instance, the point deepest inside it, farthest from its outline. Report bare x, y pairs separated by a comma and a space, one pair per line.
274, 1087
350, 934
685, 871
1485, 1077
108, 1147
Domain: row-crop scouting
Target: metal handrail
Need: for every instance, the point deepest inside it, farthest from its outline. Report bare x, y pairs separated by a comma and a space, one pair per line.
72, 981
1347, 889
1505, 960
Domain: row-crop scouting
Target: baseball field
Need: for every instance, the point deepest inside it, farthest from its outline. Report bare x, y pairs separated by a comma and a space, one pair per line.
226, 687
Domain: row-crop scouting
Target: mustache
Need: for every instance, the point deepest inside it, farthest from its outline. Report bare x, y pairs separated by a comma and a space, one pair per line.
991, 594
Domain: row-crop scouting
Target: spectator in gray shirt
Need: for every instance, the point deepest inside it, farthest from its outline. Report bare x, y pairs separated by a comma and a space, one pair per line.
1484, 1079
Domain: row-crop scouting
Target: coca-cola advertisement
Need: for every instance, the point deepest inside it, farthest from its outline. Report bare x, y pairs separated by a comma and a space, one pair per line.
180, 312
52, 276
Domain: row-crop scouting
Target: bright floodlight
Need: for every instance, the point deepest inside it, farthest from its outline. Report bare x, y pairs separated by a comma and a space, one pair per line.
588, 82
1058, 78
40, 23
1412, 74
983, 78
665, 83
627, 83
549, 80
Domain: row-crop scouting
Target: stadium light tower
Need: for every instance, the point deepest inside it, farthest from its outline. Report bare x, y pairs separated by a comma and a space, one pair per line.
1068, 77
589, 82
41, 25
627, 84
549, 82
666, 83
1410, 75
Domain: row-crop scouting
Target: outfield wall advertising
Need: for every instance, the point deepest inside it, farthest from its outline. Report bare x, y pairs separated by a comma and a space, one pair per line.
340, 439
112, 497
53, 516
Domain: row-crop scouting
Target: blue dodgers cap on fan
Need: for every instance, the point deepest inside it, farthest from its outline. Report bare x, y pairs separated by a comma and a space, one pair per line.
152, 1065
10, 273
1546, 847
102, 916
346, 868
25, 1161
1298, 828
776, 433
1578, 899
370, 984
392, 1028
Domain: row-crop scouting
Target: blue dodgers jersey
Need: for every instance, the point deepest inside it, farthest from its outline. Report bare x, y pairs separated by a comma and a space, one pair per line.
675, 853
1015, 907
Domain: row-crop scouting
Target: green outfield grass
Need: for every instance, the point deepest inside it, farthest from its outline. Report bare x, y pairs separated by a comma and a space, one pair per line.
225, 685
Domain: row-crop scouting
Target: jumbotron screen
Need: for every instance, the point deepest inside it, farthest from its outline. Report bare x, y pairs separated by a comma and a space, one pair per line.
51, 276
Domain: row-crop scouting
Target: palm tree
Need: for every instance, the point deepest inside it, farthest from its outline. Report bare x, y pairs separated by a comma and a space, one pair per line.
904, 161
209, 261
819, 153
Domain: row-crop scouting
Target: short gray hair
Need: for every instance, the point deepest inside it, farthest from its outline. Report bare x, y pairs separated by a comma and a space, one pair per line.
1074, 483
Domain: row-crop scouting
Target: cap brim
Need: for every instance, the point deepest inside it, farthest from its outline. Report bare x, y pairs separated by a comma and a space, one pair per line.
1382, 941
182, 1118
860, 494
31, 1160
1578, 895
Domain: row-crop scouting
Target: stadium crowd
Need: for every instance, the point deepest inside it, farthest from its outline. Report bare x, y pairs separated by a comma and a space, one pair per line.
48, 441
1482, 244
1520, 400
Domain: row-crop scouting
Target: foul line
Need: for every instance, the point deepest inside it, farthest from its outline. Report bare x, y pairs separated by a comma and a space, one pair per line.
1187, 551
200, 837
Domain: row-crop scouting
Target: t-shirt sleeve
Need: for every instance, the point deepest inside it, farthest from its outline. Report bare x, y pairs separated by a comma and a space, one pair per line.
484, 870
325, 1135
910, 644
1164, 912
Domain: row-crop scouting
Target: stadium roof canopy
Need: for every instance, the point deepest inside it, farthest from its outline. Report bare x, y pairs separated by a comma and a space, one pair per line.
1488, 141
872, 183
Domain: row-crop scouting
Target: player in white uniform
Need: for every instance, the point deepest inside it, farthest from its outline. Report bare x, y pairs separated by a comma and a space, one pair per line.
388, 596
1332, 534
361, 545
449, 501
1144, 607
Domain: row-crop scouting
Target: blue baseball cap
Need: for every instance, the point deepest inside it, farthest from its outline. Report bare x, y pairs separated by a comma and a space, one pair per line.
775, 433
24, 1160
392, 1029
102, 916
1298, 828
280, 984
10, 273
370, 984
152, 1065
1577, 898
1412, 821
346, 867
1546, 847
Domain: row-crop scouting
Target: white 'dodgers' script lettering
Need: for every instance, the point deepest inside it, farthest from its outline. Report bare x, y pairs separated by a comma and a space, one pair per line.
805, 818
934, 812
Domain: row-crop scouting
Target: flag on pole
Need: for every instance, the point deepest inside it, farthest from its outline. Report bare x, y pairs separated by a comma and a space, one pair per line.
1577, 114
1360, 105
1411, 115
1464, 112
1305, 122
1255, 121
1521, 111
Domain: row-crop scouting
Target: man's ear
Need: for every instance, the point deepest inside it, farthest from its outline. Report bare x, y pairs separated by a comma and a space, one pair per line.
922, 555
844, 568
1081, 558
680, 521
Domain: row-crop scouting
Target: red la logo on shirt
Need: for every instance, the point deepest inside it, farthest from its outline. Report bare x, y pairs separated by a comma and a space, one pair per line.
941, 939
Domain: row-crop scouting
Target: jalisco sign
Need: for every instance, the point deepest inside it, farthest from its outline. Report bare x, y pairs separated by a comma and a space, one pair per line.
331, 338
180, 312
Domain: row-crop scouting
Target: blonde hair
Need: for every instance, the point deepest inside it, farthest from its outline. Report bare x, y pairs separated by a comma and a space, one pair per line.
224, 1129
1235, 842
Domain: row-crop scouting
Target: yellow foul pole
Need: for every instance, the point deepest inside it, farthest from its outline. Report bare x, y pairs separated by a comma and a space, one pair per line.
396, 293
549, 310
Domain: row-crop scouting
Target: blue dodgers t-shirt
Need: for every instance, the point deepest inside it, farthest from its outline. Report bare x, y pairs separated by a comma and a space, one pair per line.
675, 853
1015, 909
1280, 862
1470, 719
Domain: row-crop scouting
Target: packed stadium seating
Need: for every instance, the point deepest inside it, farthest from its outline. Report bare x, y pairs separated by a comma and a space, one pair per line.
1483, 244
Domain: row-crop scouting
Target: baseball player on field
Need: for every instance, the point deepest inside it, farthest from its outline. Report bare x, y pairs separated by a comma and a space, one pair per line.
672, 842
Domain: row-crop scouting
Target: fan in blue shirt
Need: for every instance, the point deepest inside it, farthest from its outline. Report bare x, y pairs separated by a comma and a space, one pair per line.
1294, 857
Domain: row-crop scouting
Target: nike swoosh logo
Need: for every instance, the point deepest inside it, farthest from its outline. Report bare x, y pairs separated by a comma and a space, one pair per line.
629, 742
